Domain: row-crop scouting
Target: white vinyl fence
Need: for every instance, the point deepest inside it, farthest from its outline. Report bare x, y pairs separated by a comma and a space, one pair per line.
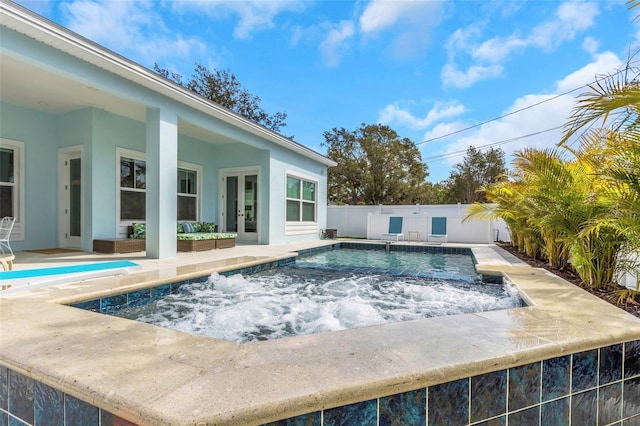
372, 221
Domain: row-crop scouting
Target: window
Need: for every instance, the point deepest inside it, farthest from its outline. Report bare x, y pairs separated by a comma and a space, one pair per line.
187, 195
133, 186
11, 187
301, 200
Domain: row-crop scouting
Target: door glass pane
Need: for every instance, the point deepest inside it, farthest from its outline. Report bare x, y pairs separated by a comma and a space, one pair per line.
232, 204
250, 203
75, 188
293, 187
293, 211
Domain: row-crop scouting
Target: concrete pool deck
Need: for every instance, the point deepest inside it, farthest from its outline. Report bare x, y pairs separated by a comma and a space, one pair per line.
150, 375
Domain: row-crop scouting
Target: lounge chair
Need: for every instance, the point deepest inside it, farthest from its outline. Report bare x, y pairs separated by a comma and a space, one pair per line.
395, 229
6, 226
438, 230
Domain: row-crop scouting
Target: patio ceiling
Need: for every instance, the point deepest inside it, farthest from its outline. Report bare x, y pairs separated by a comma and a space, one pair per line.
42, 90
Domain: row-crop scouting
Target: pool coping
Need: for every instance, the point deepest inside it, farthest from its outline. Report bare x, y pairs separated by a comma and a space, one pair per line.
150, 375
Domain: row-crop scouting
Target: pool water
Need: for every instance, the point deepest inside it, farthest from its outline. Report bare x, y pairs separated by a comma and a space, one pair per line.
438, 265
309, 297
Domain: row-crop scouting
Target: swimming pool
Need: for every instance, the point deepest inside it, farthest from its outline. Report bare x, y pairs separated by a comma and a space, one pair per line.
327, 291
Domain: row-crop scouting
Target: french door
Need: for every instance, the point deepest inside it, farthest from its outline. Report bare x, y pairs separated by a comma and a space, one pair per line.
240, 204
70, 199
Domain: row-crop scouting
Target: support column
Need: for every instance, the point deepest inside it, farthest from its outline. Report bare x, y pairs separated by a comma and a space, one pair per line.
162, 175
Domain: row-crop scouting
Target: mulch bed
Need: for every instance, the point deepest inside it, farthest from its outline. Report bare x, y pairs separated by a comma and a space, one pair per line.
569, 274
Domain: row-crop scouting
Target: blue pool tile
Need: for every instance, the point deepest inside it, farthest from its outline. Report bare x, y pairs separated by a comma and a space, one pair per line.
556, 377
4, 419
524, 386
632, 359
175, 287
408, 408
108, 419
555, 413
488, 395
361, 413
89, 305
631, 397
13, 421
583, 408
111, 304
448, 403
496, 421
49, 405
610, 403
311, 419
4, 388
21, 393
139, 298
584, 371
80, 413
528, 417
610, 364
160, 291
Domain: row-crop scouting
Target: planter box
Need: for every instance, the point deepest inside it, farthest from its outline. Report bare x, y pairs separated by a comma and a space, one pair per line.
124, 245
196, 245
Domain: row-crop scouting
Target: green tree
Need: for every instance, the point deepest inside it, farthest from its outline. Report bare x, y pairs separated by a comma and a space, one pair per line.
375, 166
223, 88
477, 170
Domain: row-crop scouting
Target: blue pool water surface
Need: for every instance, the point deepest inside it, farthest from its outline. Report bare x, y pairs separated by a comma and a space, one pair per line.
327, 291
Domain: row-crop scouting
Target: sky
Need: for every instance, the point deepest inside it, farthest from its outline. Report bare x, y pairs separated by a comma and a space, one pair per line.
445, 74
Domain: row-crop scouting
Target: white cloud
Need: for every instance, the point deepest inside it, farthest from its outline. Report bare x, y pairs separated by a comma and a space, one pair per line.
571, 18
591, 45
128, 27
487, 57
393, 114
253, 16
533, 120
336, 41
409, 22
453, 77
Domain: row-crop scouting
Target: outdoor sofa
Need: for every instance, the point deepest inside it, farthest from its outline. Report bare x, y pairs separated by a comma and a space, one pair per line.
191, 236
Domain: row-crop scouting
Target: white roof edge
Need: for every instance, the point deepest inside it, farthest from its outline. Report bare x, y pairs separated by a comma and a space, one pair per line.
24, 21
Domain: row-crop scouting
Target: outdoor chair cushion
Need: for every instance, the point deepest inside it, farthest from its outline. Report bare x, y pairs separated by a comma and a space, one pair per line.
196, 236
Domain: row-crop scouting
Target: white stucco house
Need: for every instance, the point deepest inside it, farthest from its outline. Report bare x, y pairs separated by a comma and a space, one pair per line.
91, 142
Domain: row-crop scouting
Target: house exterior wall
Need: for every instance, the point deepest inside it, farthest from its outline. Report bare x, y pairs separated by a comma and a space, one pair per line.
38, 228
282, 163
101, 134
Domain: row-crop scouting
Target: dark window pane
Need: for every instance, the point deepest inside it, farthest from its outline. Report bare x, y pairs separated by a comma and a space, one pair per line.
293, 211
187, 182
308, 212
308, 191
141, 174
6, 165
187, 208
293, 187
126, 173
132, 205
6, 201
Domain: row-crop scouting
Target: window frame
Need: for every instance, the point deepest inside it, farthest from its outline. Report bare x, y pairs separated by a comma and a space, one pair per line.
18, 186
141, 156
189, 167
300, 223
